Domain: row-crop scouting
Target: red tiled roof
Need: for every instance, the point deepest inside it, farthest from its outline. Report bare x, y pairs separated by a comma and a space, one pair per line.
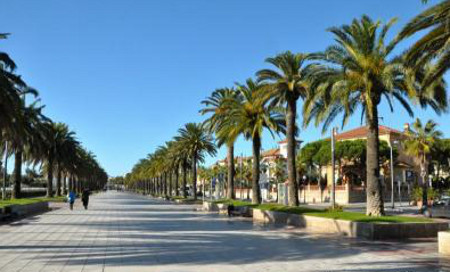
271, 153
361, 132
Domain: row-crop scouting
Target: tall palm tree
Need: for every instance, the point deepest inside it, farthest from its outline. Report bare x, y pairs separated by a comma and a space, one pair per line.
250, 115
51, 152
359, 71
218, 106
27, 145
185, 161
161, 165
435, 44
175, 162
285, 85
419, 144
11, 86
194, 138
66, 144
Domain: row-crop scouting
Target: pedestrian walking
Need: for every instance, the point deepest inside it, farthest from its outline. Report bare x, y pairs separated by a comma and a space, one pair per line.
71, 198
85, 198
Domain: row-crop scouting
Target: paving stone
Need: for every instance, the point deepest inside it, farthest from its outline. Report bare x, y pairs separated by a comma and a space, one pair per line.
127, 232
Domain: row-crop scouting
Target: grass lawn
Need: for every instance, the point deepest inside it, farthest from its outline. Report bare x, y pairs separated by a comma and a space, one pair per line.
25, 201
350, 216
360, 217
187, 200
236, 203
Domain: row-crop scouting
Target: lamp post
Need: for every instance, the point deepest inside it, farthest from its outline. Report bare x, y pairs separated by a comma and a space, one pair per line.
392, 173
5, 172
333, 185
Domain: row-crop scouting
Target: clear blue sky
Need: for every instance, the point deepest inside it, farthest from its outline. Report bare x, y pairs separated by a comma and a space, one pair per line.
125, 75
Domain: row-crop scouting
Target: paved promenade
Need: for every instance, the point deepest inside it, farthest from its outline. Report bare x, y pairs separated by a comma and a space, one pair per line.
126, 232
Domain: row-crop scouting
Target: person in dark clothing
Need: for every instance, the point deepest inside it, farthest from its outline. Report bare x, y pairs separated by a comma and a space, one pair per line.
230, 210
85, 198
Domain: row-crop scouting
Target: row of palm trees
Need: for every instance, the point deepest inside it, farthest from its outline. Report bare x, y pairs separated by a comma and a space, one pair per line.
33, 138
159, 173
359, 71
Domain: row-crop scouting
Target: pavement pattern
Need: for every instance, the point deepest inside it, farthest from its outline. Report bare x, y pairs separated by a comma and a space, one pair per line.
127, 232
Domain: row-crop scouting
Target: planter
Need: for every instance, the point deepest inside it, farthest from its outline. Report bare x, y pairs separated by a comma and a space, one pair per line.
222, 208
374, 231
210, 207
420, 203
444, 242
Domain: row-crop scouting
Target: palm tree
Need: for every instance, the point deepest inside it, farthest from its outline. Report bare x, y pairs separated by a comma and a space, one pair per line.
29, 144
419, 144
185, 161
218, 105
278, 172
285, 85
435, 44
250, 115
65, 143
196, 141
360, 72
162, 167
11, 87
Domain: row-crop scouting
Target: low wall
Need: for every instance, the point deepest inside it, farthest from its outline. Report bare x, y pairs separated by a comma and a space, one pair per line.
21, 210
375, 231
444, 242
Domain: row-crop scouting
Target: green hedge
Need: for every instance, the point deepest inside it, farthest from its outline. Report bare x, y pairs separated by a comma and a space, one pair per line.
25, 201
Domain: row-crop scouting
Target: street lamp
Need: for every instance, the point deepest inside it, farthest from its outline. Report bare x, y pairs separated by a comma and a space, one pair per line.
392, 172
333, 185
5, 171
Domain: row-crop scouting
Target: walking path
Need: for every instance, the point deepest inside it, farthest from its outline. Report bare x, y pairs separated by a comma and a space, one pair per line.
126, 232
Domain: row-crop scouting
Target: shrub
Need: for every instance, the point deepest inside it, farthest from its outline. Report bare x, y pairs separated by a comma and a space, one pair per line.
417, 194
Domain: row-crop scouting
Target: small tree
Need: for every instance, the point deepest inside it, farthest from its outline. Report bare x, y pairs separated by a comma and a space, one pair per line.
419, 144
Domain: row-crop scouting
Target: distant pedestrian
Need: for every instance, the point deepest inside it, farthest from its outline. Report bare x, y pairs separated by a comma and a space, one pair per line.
85, 198
71, 198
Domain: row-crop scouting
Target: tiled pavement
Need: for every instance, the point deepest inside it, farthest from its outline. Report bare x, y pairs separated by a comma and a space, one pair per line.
126, 232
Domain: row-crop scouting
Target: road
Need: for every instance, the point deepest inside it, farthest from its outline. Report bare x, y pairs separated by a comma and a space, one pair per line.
126, 232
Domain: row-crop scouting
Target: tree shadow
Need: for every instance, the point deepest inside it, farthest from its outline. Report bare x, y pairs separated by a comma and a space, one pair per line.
120, 232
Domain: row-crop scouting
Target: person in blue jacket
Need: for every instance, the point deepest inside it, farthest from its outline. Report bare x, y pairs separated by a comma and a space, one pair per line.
71, 198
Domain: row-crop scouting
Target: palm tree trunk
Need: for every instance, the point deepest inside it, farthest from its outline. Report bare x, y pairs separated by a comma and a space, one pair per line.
423, 174
375, 203
170, 183
17, 173
70, 182
291, 147
176, 180
184, 166
230, 160
50, 178
194, 175
256, 193
58, 182
64, 180
166, 185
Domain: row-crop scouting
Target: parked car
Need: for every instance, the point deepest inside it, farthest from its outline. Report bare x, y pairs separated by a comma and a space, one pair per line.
440, 208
